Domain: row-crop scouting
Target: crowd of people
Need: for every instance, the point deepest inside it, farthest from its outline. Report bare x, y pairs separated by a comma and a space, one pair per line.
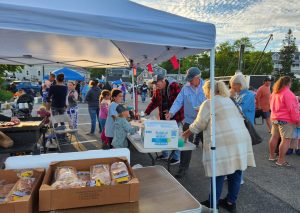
189, 106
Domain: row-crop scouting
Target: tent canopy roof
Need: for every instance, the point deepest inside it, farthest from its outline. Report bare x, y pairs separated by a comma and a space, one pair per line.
93, 33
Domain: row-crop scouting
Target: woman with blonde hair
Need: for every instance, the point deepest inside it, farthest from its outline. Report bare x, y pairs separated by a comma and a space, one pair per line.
284, 116
233, 143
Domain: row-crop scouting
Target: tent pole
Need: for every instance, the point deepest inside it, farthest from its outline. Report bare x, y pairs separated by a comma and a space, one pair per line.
213, 126
133, 89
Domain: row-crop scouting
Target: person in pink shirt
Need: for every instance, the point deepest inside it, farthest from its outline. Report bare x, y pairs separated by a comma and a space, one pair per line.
263, 101
284, 116
104, 105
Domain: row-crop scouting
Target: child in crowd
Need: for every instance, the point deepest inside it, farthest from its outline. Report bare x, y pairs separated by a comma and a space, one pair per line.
71, 102
295, 143
116, 98
44, 94
43, 113
104, 105
122, 128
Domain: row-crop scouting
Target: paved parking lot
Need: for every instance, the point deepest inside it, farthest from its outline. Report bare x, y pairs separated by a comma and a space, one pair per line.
267, 188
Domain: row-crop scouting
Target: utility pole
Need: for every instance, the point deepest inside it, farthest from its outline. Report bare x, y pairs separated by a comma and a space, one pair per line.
240, 64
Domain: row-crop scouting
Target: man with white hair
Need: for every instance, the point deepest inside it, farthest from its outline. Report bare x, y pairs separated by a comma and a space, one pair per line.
190, 98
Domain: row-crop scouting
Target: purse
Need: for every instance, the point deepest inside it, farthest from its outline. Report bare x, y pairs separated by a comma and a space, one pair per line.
255, 138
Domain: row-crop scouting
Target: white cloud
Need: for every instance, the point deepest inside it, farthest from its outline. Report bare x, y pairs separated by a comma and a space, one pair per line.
234, 19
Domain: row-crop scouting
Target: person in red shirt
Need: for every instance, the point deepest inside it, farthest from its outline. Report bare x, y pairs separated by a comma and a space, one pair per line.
263, 101
164, 96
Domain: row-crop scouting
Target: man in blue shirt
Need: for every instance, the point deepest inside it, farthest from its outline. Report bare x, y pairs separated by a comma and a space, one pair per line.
190, 97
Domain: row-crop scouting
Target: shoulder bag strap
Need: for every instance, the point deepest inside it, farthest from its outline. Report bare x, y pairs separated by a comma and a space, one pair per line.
239, 109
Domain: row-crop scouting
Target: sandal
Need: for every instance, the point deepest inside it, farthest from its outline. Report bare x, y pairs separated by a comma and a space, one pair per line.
272, 159
285, 164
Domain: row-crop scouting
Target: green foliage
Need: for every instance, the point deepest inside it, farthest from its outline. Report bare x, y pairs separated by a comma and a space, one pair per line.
97, 72
295, 87
227, 55
5, 95
10, 68
246, 41
287, 51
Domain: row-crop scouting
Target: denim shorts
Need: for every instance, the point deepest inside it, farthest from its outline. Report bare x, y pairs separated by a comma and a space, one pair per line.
266, 115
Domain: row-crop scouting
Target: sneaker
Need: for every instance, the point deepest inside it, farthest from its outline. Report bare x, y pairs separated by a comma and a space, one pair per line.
89, 133
290, 151
161, 157
242, 182
174, 162
298, 151
180, 173
225, 205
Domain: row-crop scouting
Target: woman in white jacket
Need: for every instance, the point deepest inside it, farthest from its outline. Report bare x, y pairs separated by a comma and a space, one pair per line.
233, 143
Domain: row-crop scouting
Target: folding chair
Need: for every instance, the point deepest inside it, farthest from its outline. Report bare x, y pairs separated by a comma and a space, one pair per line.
64, 130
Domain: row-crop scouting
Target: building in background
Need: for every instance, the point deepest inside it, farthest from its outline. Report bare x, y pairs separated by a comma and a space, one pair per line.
114, 74
37, 72
277, 65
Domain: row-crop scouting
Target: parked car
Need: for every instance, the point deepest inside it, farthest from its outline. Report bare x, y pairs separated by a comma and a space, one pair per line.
28, 86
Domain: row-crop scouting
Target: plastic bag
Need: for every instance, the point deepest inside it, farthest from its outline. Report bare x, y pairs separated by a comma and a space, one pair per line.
5, 189
84, 177
66, 177
119, 173
24, 185
100, 175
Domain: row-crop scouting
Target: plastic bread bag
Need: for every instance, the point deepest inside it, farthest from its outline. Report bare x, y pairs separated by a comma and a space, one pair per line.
66, 177
22, 188
84, 177
5, 189
100, 175
119, 173
66, 173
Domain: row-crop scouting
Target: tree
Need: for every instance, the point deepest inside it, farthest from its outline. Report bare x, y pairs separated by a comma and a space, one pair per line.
227, 55
287, 52
97, 72
246, 41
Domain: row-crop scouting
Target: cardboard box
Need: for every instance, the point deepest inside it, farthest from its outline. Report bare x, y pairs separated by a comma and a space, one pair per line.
54, 199
26, 204
160, 134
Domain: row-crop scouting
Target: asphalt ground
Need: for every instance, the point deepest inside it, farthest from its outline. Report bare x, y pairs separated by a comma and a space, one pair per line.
267, 188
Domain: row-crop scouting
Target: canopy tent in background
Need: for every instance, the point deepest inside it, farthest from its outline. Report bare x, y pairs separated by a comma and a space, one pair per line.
117, 82
106, 33
70, 75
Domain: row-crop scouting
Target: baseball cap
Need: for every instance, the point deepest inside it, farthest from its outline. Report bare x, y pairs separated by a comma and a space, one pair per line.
268, 79
191, 73
121, 108
157, 78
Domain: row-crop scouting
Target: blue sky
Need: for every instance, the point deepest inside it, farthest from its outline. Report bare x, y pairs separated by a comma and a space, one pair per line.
234, 19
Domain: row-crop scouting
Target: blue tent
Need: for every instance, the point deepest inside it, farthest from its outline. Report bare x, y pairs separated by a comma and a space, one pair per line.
69, 74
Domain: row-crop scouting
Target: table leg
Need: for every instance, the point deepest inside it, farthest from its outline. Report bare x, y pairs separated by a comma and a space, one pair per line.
169, 159
152, 159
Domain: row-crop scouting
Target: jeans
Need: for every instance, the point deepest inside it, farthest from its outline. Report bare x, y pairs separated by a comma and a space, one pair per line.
124, 96
144, 94
186, 156
94, 115
102, 123
234, 183
176, 155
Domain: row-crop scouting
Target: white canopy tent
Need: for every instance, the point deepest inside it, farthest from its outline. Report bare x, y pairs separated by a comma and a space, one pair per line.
93, 33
